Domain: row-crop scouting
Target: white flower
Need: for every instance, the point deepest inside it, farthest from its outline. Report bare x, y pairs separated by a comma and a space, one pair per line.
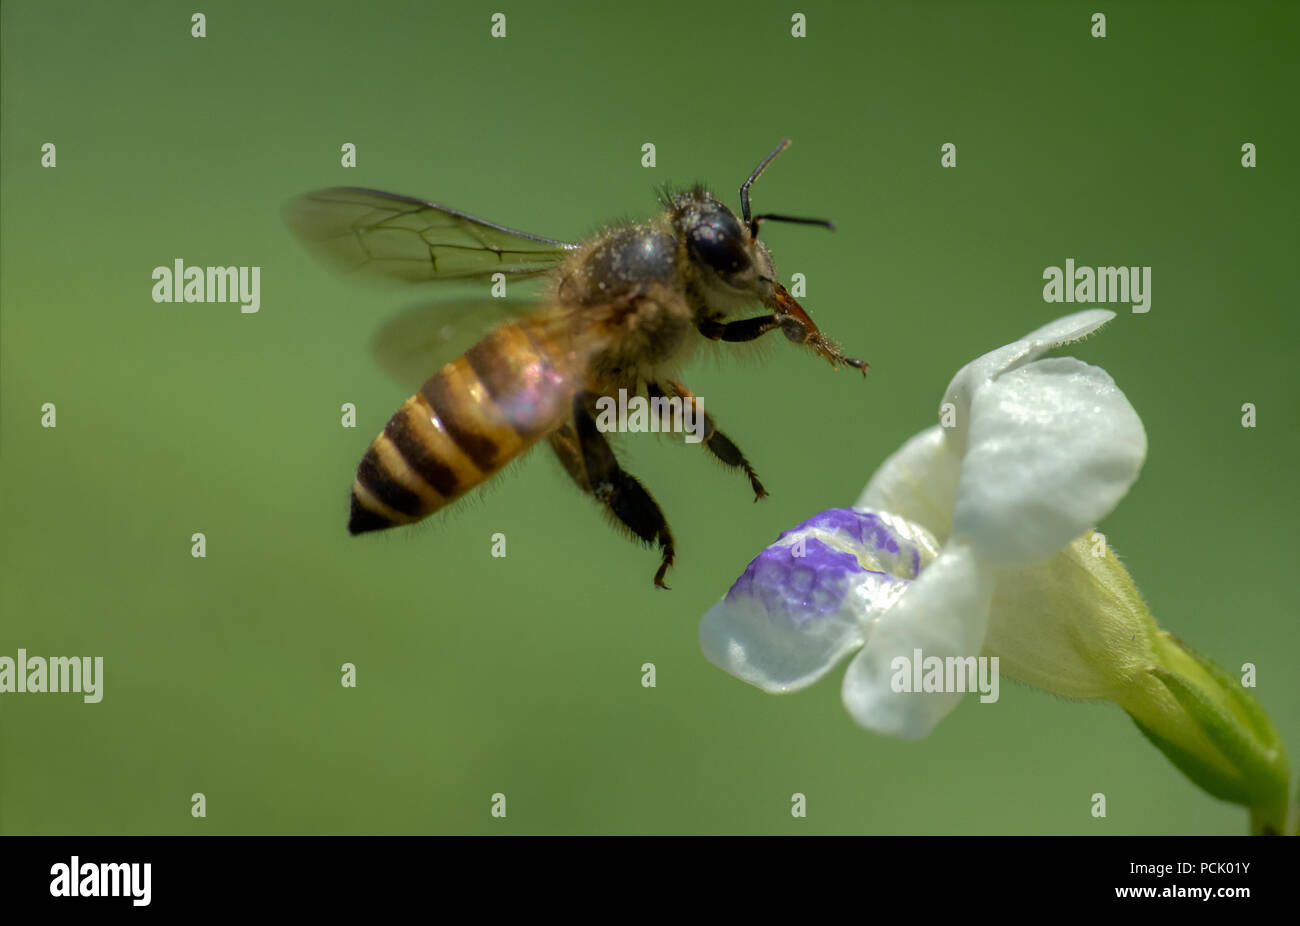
1039, 452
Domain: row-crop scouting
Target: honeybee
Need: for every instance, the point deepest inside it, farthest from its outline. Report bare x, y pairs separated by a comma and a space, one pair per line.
619, 311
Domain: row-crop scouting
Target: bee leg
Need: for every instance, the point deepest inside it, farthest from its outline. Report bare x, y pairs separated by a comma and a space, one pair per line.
794, 323
714, 440
590, 461
747, 329
801, 330
564, 442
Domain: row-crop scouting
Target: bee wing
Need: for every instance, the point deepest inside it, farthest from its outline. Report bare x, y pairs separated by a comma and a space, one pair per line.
414, 344
400, 237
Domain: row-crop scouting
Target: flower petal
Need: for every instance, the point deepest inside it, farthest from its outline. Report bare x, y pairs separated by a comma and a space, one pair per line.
983, 370
810, 599
945, 614
1052, 448
1074, 625
788, 620
918, 482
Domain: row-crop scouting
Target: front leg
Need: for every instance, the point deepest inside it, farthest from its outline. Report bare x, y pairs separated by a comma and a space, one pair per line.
747, 329
794, 323
800, 328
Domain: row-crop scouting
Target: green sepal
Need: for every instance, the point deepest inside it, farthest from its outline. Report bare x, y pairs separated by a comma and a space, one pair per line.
1237, 727
1204, 776
1246, 704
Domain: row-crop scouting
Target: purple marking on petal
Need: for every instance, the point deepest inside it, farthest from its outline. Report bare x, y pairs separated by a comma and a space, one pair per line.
844, 520
863, 526
802, 587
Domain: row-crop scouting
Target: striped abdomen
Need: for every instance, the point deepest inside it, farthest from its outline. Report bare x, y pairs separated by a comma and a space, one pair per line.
469, 420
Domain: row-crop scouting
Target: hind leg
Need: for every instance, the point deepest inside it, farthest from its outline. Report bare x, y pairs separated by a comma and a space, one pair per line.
591, 463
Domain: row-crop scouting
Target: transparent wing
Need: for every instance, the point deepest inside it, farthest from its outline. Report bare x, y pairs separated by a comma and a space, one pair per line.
400, 237
414, 344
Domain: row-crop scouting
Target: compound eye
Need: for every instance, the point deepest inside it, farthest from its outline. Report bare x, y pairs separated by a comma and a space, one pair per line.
719, 243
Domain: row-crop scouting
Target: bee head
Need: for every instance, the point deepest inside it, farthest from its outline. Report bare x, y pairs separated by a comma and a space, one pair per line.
717, 242
725, 246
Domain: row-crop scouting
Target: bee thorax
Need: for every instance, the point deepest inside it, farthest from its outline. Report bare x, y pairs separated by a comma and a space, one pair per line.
621, 262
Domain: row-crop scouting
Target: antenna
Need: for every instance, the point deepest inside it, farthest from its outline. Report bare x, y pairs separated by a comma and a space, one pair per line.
752, 222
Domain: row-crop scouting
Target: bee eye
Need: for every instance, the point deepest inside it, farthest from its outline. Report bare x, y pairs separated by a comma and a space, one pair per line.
719, 244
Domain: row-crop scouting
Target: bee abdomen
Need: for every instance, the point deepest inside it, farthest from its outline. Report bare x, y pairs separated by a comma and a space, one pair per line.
469, 420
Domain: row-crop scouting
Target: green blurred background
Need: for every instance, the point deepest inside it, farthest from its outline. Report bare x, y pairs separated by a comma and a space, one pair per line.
522, 675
